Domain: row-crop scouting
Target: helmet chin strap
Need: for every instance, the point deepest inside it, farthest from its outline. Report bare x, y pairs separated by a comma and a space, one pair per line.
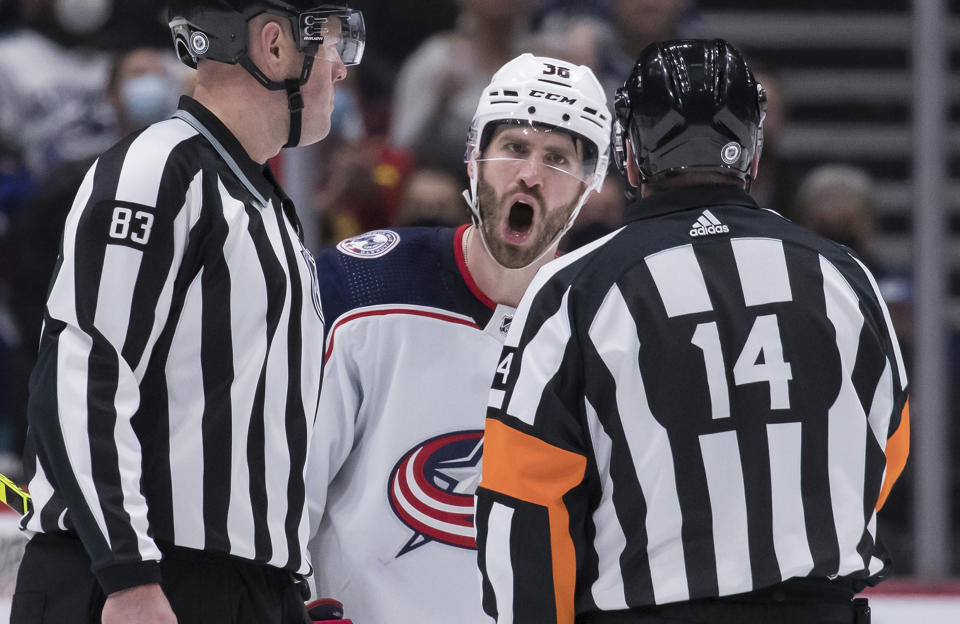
291, 86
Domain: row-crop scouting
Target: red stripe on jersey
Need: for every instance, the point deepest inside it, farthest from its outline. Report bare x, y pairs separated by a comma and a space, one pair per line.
435, 315
465, 272
437, 519
462, 518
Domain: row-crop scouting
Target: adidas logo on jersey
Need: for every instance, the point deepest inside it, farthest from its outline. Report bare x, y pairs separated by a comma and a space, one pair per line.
707, 224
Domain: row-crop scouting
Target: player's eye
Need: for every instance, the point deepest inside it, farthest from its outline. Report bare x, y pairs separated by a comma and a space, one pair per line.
555, 159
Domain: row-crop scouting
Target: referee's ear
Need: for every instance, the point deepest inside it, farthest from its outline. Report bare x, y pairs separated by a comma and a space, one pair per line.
633, 171
272, 47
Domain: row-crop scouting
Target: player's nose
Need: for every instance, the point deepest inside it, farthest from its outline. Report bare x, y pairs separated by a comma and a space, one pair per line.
530, 172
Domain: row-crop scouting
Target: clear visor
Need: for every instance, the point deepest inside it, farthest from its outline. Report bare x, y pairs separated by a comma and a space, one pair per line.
555, 153
334, 34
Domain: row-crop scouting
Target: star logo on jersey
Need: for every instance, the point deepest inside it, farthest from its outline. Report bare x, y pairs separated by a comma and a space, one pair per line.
431, 490
370, 245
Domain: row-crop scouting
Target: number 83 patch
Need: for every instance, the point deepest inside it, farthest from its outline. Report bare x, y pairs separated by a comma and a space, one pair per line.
131, 223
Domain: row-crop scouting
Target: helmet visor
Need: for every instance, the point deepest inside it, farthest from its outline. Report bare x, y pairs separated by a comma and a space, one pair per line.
332, 33
559, 153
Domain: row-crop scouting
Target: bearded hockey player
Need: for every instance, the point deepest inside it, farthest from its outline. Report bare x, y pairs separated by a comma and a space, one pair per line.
415, 321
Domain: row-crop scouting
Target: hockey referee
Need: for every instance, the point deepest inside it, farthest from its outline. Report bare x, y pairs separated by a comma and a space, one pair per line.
696, 418
178, 373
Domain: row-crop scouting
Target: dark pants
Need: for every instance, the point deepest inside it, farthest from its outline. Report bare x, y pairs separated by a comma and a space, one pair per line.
729, 613
796, 601
55, 585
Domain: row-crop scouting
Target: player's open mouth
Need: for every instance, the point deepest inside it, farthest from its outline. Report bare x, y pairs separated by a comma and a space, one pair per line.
519, 222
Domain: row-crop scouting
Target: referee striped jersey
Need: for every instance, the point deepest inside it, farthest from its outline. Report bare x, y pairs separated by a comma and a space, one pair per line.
178, 373
707, 402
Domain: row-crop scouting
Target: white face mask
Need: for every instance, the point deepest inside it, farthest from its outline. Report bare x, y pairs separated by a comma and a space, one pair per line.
82, 17
148, 99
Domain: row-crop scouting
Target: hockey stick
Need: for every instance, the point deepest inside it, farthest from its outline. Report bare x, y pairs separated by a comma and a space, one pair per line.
14, 497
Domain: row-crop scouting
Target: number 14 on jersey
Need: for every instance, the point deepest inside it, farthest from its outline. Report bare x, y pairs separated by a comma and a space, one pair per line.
761, 360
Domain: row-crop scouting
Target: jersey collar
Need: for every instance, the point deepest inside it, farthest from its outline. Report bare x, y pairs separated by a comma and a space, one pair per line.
252, 174
686, 198
465, 272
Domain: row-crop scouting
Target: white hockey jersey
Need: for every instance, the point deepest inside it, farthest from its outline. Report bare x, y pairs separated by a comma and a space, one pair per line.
411, 347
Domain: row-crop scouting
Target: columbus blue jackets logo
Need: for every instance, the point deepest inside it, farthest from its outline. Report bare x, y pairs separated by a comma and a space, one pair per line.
431, 490
370, 245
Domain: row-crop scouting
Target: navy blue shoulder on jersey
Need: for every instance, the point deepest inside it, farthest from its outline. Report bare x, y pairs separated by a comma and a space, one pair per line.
403, 266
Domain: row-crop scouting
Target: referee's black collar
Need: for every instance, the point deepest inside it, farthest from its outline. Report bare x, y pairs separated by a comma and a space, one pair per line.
686, 198
254, 171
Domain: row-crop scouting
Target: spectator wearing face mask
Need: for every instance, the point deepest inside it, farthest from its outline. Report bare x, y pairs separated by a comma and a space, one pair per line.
55, 62
144, 86
46, 111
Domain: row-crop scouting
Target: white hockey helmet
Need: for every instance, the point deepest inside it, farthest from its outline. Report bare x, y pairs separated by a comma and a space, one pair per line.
539, 90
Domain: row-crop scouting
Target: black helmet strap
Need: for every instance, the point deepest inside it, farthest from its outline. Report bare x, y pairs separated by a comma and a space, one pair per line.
291, 86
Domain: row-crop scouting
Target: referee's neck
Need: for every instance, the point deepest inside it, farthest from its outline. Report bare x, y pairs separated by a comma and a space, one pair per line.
258, 118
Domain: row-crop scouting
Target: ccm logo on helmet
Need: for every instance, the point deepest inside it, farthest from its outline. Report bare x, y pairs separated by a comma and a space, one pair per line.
553, 97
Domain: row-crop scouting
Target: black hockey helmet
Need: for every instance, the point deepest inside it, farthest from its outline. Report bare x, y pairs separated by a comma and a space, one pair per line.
690, 105
217, 30
222, 25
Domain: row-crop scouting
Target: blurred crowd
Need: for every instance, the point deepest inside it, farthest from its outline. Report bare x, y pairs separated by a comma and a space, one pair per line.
77, 75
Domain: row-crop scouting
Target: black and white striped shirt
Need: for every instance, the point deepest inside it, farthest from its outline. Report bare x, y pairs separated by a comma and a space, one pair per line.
178, 373
698, 405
